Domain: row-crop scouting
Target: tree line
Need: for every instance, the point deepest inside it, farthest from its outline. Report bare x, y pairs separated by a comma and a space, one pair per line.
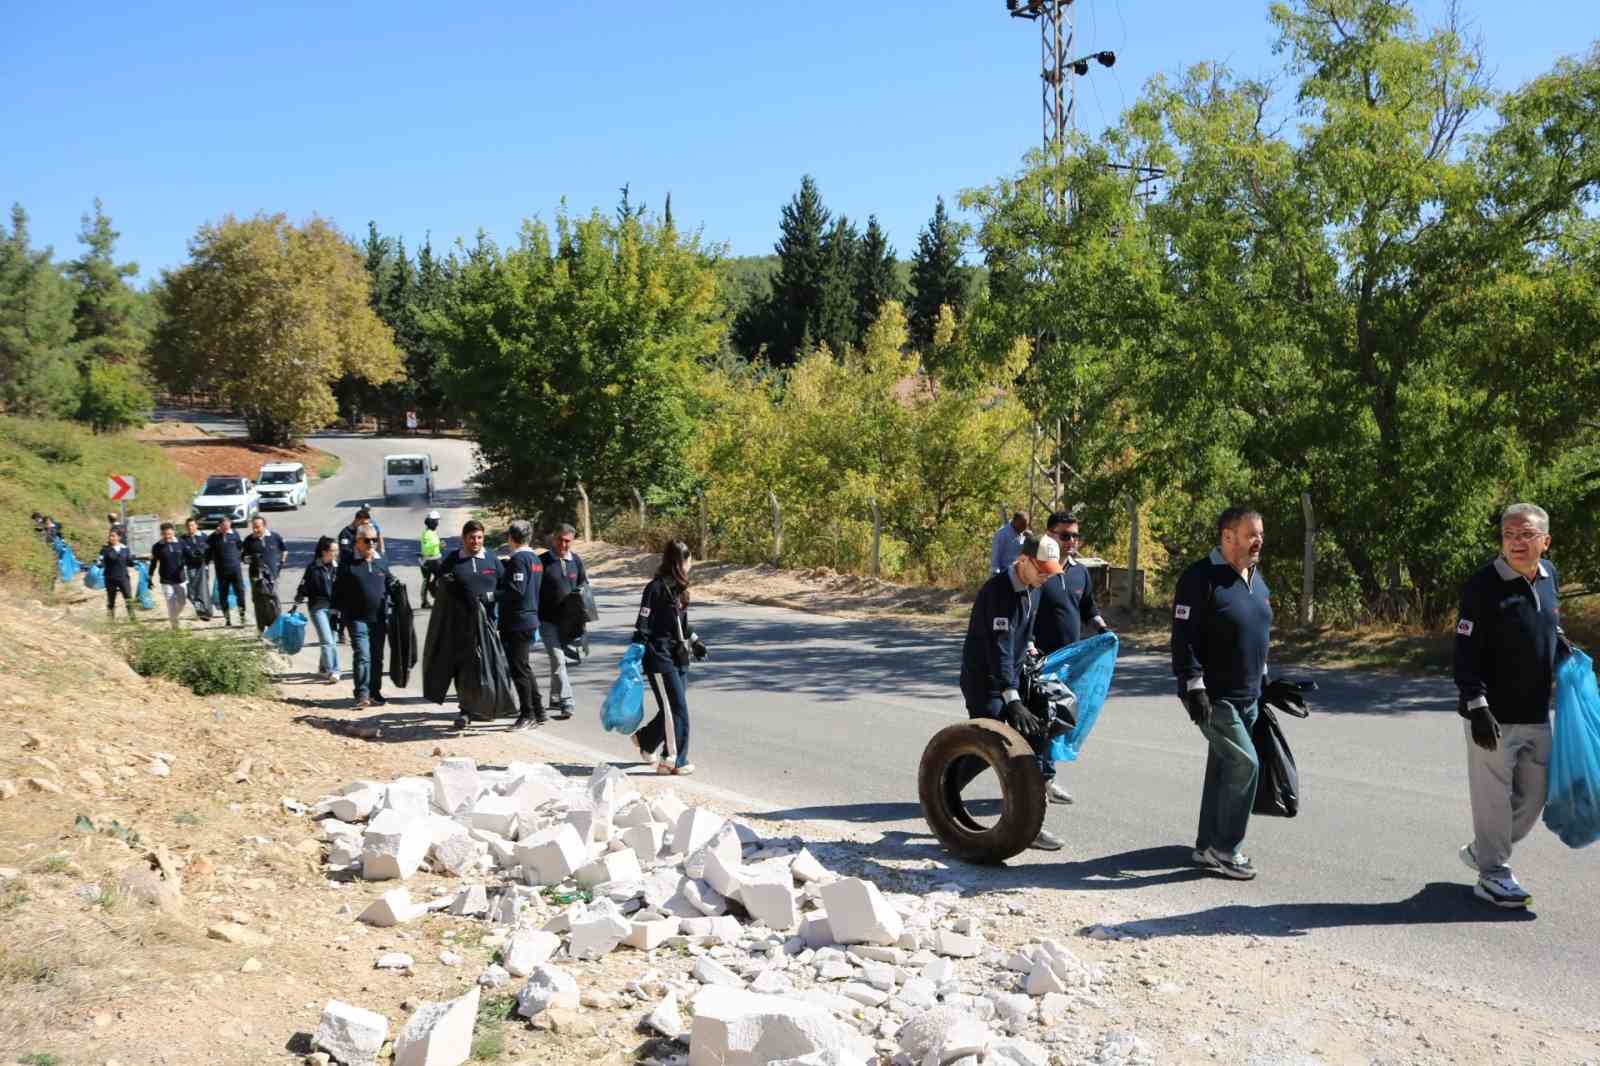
1369, 283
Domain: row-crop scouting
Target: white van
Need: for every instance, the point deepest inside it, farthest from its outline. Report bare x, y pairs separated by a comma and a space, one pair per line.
408, 475
284, 485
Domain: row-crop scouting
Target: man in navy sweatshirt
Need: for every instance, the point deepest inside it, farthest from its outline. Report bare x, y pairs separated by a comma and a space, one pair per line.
226, 552
520, 581
1066, 606
361, 591
1508, 641
1221, 618
168, 565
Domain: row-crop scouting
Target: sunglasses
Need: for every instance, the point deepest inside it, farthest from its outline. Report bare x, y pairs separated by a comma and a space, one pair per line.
363, 540
1074, 535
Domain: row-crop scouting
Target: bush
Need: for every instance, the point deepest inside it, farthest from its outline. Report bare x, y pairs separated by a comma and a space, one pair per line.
113, 398
208, 666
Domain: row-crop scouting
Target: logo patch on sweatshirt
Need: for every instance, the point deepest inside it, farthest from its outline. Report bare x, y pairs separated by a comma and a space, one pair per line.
644, 612
1181, 612
1464, 628
1002, 625
517, 578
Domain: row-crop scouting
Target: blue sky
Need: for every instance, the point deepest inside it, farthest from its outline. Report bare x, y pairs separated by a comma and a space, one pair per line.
446, 118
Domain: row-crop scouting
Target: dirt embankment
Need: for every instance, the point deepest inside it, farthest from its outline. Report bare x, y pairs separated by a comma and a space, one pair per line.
199, 454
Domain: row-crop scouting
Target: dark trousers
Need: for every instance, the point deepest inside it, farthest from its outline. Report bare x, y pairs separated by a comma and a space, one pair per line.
519, 657
231, 581
366, 650
653, 735
115, 589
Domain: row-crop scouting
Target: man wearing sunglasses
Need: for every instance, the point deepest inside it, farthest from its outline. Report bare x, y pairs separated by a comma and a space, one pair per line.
1066, 606
1508, 641
362, 592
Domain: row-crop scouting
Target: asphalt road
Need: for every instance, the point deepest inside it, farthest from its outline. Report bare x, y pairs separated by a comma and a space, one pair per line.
822, 720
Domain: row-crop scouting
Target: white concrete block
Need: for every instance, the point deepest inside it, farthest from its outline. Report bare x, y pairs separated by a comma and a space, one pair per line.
694, 829
457, 854
394, 907
647, 934
548, 986
724, 843
344, 851
645, 840
470, 902
438, 1034
1010, 1051
633, 814
528, 948
667, 807
806, 869
410, 796
737, 1028
703, 898
666, 1018
772, 903
494, 812
858, 913
506, 908
709, 971
816, 930
614, 866
597, 933
1042, 979
394, 960
351, 1035
501, 850
552, 856
772, 983
926, 1032
354, 803
455, 785
393, 847
865, 995
957, 945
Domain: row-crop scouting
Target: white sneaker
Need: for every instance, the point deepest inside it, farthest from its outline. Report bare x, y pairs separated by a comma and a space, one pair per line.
1056, 794
1468, 857
1502, 892
1236, 866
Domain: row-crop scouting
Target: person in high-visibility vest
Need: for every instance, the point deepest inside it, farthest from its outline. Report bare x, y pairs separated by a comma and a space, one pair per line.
432, 551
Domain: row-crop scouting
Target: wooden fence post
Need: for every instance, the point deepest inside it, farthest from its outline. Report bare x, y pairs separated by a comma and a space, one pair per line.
777, 528
1135, 585
877, 538
1308, 573
583, 513
705, 529
638, 499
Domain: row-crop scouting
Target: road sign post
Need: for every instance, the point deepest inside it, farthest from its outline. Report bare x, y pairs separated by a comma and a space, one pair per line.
143, 532
122, 488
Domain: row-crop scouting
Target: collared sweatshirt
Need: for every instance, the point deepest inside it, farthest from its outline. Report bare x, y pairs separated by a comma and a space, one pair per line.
1221, 623
1506, 643
998, 632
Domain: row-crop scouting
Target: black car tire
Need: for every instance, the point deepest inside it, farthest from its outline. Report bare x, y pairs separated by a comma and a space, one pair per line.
1021, 790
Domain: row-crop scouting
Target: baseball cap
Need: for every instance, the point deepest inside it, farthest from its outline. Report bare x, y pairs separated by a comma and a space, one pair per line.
1046, 554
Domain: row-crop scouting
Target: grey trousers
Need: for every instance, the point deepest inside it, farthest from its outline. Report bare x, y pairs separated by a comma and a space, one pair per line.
560, 685
1507, 787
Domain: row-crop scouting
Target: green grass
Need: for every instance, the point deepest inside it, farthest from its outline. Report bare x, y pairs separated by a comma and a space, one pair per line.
489, 1037
60, 469
207, 666
52, 864
328, 464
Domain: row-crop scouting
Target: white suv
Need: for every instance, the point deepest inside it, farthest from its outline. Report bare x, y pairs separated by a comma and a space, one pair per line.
283, 485
225, 496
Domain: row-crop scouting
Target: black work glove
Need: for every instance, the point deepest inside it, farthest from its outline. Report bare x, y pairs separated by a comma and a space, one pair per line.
1286, 696
1198, 704
1024, 721
699, 648
1485, 730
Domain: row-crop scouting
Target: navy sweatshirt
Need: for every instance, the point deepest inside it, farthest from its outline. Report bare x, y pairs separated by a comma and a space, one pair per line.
520, 584
194, 550
660, 612
116, 562
561, 579
997, 639
169, 560
265, 554
317, 584
1220, 627
361, 590
225, 551
1506, 642
1066, 605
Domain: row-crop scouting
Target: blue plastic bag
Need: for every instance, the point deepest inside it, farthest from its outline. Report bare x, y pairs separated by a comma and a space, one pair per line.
623, 711
216, 597
1086, 668
66, 563
95, 576
144, 596
288, 633
1572, 796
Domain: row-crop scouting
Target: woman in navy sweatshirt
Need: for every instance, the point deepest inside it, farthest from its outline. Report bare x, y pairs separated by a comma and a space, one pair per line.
669, 646
116, 561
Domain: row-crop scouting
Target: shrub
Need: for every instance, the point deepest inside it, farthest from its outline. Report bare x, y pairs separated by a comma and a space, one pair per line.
113, 398
208, 666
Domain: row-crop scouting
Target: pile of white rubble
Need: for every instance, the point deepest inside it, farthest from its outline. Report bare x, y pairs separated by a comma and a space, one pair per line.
773, 958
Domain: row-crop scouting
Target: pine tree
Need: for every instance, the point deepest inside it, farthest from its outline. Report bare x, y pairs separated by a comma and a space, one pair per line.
835, 322
792, 315
38, 368
936, 276
107, 320
876, 280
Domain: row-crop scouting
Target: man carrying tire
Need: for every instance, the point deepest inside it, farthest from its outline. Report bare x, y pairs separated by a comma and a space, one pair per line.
1221, 619
992, 656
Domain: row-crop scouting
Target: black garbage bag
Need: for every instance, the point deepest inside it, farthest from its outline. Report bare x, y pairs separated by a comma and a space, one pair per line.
572, 618
483, 676
402, 635
449, 634
1278, 786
